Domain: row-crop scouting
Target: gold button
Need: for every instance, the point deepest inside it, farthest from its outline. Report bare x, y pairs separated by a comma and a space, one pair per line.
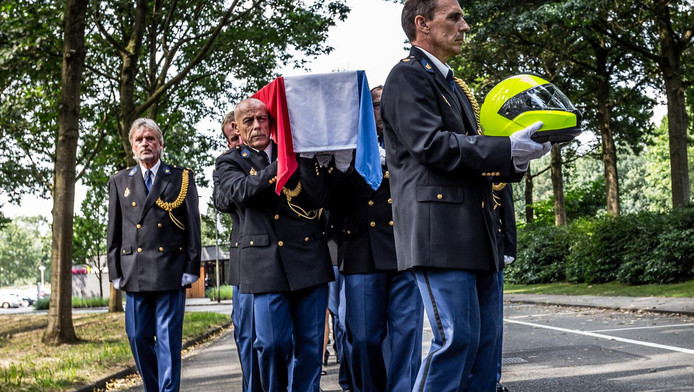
180, 248
439, 196
390, 223
390, 201
373, 224
158, 224
482, 204
499, 230
386, 174
251, 243
277, 217
484, 174
139, 250
280, 243
306, 239
237, 244
134, 204
123, 251
139, 226
348, 232
161, 249
371, 202
498, 174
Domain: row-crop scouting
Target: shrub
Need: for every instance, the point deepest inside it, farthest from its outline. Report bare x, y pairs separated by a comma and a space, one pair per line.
541, 253
77, 302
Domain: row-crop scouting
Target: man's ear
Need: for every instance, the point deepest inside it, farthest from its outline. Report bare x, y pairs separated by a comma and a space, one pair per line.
420, 23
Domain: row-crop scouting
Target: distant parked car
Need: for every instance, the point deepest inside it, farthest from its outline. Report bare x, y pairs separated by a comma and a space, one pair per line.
8, 301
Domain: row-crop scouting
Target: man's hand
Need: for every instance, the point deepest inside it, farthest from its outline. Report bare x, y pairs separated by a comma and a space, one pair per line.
508, 259
524, 149
116, 283
187, 279
343, 159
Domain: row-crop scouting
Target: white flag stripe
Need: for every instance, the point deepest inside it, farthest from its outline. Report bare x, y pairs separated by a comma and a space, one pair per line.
323, 111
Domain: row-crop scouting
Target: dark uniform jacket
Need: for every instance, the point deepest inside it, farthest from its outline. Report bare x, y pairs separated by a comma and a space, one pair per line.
224, 204
440, 170
280, 249
365, 233
505, 216
149, 248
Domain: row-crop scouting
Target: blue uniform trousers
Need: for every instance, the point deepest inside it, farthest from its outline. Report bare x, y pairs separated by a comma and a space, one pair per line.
156, 314
244, 334
289, 330
384, 324
336, 305
463, 310
500, 336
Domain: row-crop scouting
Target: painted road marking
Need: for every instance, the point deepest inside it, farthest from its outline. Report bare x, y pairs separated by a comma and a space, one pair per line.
601, 336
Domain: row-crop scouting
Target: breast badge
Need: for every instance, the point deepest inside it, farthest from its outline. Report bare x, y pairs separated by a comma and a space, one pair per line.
253, 172
127, 192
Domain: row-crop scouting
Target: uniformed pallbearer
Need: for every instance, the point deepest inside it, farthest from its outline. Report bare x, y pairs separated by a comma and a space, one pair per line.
440, 170
242, 303
380, 301
153, 253
284, 257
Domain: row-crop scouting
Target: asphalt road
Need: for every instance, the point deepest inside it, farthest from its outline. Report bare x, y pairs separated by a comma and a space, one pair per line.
552, 348
546, 349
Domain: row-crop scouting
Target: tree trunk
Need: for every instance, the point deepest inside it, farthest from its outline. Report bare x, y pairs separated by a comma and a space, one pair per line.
558, 186
60, 328
609, 150
671, 68
529, 197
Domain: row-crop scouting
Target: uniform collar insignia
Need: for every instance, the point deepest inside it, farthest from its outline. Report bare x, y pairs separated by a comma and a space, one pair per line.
133, 171
165, 169
245, 153
426, 65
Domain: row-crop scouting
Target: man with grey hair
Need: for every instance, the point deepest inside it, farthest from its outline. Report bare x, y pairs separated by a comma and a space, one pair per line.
441, 173
153, 245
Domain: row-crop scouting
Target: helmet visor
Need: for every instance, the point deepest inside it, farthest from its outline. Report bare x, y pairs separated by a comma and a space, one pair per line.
543, 97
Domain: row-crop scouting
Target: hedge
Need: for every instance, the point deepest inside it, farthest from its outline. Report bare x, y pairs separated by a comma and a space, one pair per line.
633, 249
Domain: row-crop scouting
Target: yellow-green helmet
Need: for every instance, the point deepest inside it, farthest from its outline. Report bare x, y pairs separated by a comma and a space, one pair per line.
521, 100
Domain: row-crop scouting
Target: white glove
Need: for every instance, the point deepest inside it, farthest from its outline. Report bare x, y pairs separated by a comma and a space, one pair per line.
382, 153
116, 283
508, 259
307, 155
187, 279
343, 159
524, 149
324, 158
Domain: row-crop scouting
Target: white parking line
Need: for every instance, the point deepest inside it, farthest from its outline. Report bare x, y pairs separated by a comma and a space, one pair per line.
647, 327
601, 336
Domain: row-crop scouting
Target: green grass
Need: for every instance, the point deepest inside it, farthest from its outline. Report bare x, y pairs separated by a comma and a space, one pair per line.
225, 292
675, 290
26, 364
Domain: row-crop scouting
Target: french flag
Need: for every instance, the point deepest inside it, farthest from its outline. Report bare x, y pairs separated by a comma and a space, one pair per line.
323, 112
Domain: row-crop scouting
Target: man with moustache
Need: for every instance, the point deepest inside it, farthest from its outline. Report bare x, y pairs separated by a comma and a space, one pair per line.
242, 303
284, 257
440, 177
153, 245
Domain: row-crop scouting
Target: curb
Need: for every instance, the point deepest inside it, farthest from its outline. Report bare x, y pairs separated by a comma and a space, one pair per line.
596, 306
101, 383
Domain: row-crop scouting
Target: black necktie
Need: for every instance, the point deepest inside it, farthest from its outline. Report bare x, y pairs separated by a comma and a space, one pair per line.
449, 79
148, 180
264, 155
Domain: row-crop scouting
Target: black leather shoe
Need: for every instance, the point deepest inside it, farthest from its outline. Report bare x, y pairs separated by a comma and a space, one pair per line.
501, 388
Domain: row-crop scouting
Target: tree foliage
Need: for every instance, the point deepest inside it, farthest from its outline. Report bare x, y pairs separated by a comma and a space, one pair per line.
24, 246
